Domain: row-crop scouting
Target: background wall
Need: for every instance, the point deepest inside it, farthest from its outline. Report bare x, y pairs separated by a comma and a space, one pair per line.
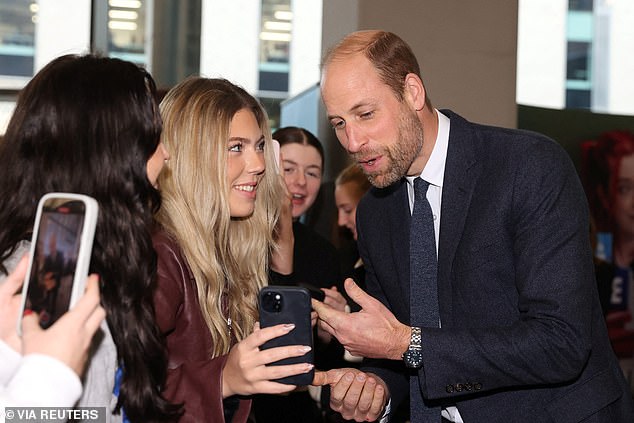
571, 127
467, 52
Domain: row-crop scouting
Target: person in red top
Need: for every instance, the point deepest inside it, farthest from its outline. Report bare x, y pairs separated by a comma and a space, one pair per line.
608, 175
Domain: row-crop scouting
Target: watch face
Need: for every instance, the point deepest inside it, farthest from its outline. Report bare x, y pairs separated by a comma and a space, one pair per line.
413, 358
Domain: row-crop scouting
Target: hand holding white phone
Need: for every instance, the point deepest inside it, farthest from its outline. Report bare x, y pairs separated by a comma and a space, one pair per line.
61, 247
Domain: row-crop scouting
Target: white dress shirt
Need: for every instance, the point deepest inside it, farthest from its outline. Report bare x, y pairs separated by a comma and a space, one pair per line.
434, 173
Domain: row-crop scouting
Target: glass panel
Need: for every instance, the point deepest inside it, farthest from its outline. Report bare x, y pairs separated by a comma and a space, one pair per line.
275, 38
580, 4
578, 99
272, 107
126, 30
17, 37
578, 61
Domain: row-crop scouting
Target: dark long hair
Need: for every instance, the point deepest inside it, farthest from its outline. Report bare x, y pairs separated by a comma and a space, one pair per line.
88, 124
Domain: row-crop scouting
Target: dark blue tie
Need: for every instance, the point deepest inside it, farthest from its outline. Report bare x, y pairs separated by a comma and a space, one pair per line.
423, 300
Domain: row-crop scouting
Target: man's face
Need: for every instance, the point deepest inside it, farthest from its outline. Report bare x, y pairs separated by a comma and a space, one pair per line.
381, 133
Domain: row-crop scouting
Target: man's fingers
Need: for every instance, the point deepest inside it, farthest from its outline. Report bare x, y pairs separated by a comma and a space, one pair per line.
357, 294
326, 312
330, 377
326, 327
320, 378
318, 306
367, 396
378, 401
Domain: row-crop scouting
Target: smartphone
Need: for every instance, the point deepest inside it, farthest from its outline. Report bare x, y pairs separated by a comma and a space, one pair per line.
61, 247
288, 304
315, 292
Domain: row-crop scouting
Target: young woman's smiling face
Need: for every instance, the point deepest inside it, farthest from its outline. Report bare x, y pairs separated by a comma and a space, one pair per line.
245, 162
302, 174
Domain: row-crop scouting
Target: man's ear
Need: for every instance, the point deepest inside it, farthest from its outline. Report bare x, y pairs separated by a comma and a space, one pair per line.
414, 92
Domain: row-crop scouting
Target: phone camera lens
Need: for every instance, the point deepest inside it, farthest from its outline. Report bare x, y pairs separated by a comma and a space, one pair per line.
272, 302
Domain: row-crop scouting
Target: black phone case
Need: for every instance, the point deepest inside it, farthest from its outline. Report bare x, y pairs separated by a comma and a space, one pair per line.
295, 309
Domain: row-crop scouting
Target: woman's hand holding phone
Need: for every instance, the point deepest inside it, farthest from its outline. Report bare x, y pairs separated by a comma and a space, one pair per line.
10, 305
247, 372
68, 340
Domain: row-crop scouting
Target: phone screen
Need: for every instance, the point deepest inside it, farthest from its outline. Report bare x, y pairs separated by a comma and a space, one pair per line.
54, 259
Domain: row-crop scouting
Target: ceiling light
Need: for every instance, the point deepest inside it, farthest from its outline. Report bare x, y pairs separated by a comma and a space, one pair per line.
278, 26
123, 25
123, 14
283, 15
125, 4
275, 36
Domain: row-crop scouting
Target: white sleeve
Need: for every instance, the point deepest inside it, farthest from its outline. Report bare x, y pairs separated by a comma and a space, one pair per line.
41, 381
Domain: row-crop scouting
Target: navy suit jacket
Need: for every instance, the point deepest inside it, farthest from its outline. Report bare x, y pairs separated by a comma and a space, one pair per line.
523, 338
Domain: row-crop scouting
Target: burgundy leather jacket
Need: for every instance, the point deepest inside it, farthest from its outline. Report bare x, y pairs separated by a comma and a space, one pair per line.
194, 378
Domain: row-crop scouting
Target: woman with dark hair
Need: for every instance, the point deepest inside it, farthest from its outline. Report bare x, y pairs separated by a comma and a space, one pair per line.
91, 125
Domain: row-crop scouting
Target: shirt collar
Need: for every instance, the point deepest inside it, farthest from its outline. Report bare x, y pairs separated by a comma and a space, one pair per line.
434, 171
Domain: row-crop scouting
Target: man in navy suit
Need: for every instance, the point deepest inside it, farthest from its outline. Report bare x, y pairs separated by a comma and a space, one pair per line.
520, 334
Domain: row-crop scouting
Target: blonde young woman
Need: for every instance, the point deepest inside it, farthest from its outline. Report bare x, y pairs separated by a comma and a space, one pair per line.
221, 205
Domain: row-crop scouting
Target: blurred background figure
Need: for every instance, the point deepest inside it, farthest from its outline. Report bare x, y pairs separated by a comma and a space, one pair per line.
608, 175
315, 260
351, 184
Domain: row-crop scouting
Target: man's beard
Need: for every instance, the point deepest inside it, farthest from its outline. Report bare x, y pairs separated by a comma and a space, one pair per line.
400, 155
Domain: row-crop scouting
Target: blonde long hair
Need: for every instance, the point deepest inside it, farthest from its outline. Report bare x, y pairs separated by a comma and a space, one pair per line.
226, 255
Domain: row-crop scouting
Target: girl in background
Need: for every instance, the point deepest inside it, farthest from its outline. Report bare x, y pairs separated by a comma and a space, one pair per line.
351, 184
608, 175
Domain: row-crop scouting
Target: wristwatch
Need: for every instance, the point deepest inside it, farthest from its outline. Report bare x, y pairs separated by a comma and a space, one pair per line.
413, 357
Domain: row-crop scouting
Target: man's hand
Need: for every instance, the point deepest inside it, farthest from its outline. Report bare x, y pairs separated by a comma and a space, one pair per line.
356, 395
372, 332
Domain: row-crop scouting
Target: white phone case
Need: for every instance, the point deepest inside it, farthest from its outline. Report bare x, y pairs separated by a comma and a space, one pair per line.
74, 258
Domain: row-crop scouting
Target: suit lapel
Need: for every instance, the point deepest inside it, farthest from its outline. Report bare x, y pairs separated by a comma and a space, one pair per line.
461, 174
